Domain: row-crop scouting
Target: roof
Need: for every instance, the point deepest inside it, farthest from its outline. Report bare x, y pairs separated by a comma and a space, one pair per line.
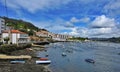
14, 31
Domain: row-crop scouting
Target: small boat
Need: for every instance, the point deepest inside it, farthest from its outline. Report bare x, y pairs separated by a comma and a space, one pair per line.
118, 53
45, 50
43, 59
43, 62
46, 55
90, 60
17, 62
63, 54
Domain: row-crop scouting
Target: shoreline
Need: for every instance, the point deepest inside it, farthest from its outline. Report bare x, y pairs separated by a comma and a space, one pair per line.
29, 66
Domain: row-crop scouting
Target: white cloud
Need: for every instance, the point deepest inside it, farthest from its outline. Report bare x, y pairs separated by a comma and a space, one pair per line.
78, 31
56, 26
103, 22
103, 26
115, 4
74, 32
112, 8
75, 20
35, 5
69, 24
86, 19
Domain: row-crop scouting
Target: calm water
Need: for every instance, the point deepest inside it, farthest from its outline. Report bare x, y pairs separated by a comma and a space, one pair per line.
105, 54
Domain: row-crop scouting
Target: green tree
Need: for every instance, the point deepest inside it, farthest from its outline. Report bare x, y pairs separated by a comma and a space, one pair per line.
6, 39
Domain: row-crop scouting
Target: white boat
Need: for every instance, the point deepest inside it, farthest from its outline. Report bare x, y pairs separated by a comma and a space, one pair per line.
43, 61
63, 54
17, 62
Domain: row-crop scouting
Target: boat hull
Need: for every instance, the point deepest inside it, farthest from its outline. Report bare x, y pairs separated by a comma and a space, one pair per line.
17, 62
43, 62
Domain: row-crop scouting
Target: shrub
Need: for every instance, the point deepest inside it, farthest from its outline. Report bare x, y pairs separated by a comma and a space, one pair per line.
7, 49
1, 43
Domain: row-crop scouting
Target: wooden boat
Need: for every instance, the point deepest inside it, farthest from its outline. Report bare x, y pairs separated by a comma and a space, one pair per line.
90, 60
17, 62
43, 61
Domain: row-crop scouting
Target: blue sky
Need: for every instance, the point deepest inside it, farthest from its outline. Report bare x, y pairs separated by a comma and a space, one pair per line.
85, 18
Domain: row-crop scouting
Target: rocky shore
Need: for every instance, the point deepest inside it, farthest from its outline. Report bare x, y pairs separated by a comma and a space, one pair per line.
29, 66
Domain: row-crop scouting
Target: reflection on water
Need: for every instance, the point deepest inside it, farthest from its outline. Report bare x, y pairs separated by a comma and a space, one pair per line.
105, 55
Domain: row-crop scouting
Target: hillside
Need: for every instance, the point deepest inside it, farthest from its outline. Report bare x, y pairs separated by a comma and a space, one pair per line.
22, 25
113, 39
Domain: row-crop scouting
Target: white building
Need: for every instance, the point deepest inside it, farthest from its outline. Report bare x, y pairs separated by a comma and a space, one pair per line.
2, 25
16, 36
60, 37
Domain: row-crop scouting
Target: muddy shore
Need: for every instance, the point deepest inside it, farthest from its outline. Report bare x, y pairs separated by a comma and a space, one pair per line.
29, 66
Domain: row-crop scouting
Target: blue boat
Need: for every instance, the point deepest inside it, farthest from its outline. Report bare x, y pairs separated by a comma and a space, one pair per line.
90, 61
17, 62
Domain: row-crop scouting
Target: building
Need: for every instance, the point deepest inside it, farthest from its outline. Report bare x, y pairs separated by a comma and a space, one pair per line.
43, 33
15, 36
2, 25
60, 37
56, 37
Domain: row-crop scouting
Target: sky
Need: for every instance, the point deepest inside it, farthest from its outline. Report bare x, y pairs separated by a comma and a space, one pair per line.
84, 18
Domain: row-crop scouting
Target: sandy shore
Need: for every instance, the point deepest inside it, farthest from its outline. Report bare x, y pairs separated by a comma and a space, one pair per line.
29, 66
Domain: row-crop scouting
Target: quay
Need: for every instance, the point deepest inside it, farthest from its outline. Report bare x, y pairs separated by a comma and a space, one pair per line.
7, 57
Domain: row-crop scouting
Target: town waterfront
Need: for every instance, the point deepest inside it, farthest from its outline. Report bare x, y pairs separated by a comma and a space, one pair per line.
105, 54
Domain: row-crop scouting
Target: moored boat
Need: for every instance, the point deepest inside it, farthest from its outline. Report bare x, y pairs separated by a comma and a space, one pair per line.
17, 62
43, 61
90, 60
63, 54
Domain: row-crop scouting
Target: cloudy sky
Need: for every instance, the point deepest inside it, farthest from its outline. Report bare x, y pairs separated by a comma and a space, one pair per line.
85, 18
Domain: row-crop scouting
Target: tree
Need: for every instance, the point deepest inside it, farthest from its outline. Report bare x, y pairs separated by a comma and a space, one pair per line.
31, 33
6, 39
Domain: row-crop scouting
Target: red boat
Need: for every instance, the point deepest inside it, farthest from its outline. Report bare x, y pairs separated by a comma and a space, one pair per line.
43, 59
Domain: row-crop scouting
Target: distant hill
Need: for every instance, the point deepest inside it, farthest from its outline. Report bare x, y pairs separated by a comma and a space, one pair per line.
22, 25
78, 38
113, 39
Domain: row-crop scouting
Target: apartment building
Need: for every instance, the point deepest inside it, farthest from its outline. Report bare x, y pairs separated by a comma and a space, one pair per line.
15, 36
2, 25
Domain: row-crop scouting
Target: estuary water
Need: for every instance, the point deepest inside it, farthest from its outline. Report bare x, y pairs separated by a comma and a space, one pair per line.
105, 55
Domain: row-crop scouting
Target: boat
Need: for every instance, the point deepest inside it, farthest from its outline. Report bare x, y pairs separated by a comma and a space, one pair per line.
43, 61
46, 55
118, 53
63, 54
17, 62
90, 60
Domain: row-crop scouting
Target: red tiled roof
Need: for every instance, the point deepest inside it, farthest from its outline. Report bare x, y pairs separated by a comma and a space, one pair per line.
14, 31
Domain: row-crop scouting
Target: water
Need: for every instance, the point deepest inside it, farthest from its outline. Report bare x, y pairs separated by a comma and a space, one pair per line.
105, 55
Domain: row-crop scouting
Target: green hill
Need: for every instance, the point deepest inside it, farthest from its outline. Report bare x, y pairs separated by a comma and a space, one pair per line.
21, 25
